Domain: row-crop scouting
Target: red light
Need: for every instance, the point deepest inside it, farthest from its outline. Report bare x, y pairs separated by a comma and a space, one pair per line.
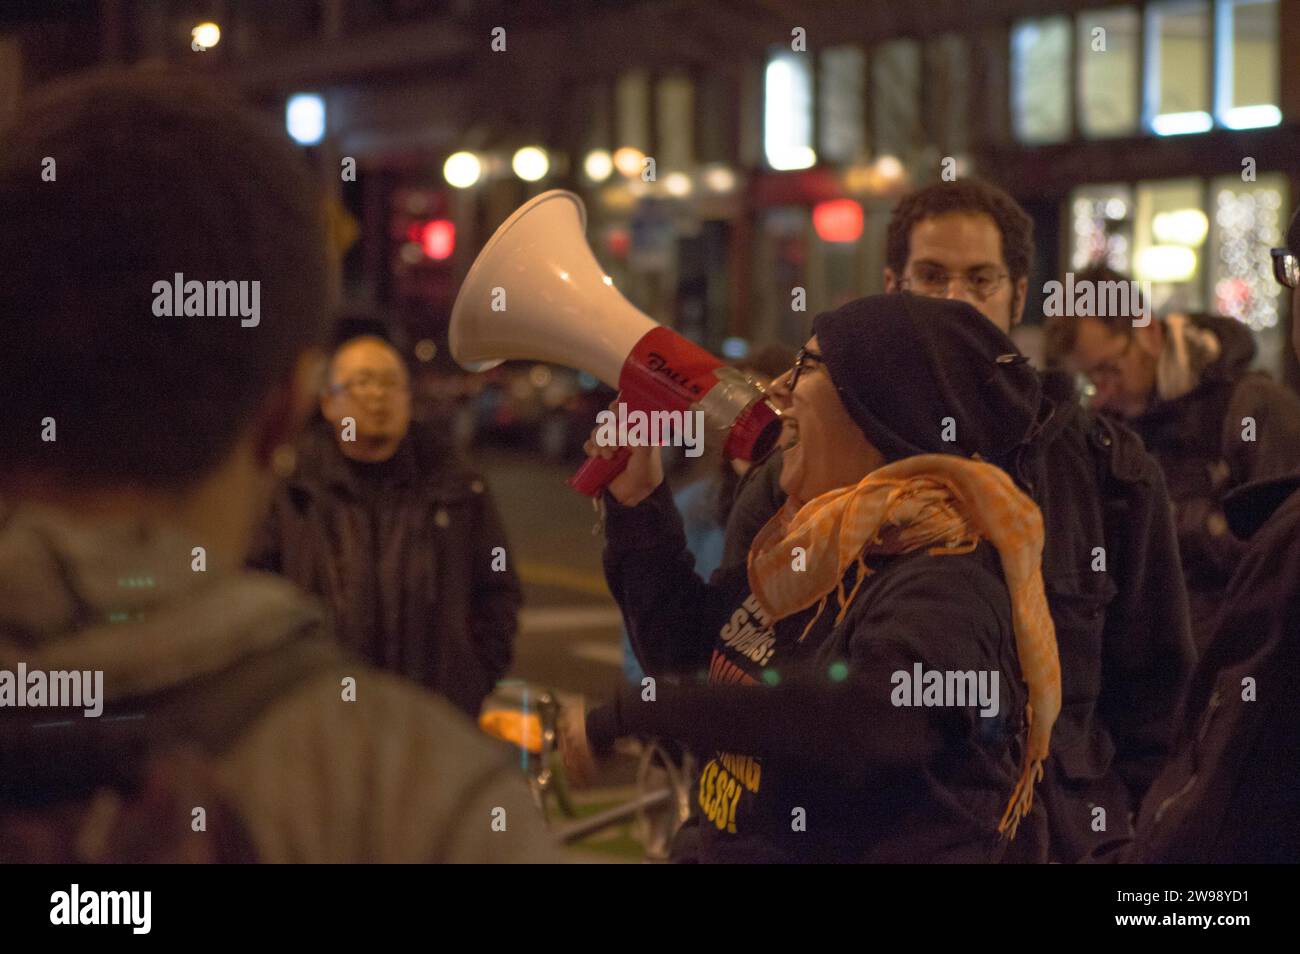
438, 239
620, 240
838, 220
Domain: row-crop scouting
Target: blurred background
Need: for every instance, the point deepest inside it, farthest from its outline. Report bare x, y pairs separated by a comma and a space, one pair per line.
1162, 138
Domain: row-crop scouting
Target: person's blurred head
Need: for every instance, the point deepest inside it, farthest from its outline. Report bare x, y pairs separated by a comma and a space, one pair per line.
892, 376
1117, 358
966, 240
152, 175
367, 381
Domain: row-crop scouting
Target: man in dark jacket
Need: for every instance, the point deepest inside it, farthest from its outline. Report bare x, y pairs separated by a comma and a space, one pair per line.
1184, 384
1229, 793
401, 541
1110, 560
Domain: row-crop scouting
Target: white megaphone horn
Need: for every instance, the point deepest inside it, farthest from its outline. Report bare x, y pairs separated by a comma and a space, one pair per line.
536, 292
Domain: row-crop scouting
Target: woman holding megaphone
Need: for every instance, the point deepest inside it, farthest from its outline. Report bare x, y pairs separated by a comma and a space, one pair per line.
880, 682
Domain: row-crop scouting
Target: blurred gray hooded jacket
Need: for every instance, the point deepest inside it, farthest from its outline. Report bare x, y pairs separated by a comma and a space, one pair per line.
238, 665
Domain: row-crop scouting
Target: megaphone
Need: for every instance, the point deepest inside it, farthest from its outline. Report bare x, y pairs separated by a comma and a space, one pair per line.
536, 292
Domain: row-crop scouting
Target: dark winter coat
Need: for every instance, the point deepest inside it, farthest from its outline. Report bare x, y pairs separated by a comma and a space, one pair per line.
1229, 793
1234, 428
413, 565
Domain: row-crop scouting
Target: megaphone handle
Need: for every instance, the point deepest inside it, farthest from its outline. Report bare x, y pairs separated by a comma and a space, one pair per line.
595, 475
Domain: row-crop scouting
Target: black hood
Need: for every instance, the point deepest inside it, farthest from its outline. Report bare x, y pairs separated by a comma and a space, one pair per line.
903, 364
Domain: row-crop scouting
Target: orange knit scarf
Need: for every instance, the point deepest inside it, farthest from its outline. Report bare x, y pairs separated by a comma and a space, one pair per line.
944, 502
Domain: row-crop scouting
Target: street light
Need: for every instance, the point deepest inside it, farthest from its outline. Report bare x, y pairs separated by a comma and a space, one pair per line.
462, 169
531, 163
304, 117
205, 36
598, 165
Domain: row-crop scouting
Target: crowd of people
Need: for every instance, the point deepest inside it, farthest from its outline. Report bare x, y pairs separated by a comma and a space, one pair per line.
962, 613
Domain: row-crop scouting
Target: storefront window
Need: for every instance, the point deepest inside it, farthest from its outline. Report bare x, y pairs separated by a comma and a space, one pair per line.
633, 106
1040, 80
1246, 92
896, 98
1170, 229
675, 126
787, 111
843, 85
947, 94
1107, 55
1178, 67
1247, 223
1102, 233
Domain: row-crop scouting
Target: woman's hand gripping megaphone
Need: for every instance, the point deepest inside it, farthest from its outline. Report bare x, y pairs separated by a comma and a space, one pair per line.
637, 471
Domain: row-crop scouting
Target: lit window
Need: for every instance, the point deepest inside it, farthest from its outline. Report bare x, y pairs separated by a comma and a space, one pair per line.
1169, 242
1247, 223
843, 79
1178, 67
787, 111
1246, 87
896, 98
676, 149
1102, 218
1040, 88
632, 106
1107, 51
947, 97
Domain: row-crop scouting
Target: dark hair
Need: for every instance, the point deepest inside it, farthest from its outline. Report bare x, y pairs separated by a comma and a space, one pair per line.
155, 174
969, 196
1062, 331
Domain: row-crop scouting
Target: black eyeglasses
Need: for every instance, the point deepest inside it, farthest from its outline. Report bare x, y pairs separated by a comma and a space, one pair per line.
1286, 267
384, 384
803, 359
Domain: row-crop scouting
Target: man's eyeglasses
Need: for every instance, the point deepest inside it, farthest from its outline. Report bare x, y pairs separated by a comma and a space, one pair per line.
805, 358
1286, 267
1107, 372
933, 282
386, 384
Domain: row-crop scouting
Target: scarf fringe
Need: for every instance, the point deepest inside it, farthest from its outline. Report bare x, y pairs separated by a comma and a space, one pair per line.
816, 616
1021, 802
